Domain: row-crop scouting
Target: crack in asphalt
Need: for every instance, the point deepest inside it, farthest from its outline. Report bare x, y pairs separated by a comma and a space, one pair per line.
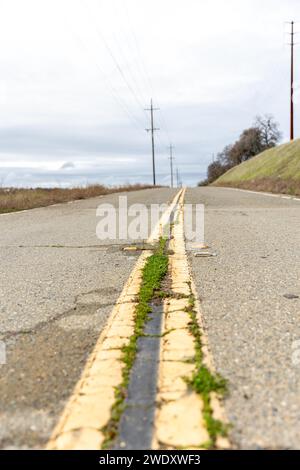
80, 309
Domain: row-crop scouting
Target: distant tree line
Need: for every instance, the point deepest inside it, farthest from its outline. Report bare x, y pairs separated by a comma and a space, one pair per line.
264, 134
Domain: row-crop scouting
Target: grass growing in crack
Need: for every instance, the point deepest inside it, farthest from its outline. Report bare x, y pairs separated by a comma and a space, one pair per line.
153, 273
169, 294
204, 382
162, 335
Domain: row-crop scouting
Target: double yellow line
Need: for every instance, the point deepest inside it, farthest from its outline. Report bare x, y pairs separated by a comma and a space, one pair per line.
179, 419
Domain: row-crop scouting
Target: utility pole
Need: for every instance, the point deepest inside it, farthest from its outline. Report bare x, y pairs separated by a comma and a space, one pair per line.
152, 129
171, 164
292, 82
177, 178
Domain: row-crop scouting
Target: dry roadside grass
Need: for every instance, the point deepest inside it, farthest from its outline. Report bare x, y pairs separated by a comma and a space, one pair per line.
269, 185
13, 200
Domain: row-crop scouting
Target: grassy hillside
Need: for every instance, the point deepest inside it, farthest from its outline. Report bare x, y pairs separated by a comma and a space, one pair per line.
275, 170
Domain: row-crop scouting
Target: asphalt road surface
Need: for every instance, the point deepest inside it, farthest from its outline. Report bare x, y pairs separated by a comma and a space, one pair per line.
58, 284
250, 296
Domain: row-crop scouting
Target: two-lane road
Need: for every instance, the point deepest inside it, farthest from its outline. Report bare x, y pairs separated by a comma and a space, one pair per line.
59, 283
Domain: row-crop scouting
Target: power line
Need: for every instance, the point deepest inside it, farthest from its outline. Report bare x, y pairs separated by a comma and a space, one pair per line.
114, 92
117, 65
138, 124
134, 90
117, 9
144, 75
144, 69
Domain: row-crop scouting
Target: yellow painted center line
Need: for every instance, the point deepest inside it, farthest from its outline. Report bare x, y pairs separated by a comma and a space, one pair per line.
179, 419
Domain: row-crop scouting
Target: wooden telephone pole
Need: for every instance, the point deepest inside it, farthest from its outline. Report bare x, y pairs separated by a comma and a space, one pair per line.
152, 129
292, 83
171, 158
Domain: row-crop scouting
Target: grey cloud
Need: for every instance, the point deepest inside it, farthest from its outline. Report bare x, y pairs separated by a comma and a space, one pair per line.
67, 165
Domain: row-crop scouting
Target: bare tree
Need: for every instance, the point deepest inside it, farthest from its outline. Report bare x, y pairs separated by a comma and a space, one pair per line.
269, 129
264, 134
214, 170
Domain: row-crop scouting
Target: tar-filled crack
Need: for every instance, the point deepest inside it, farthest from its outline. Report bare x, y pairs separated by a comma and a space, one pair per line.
153, 273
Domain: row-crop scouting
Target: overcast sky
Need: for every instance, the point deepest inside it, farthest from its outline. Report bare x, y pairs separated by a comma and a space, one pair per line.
75, 76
